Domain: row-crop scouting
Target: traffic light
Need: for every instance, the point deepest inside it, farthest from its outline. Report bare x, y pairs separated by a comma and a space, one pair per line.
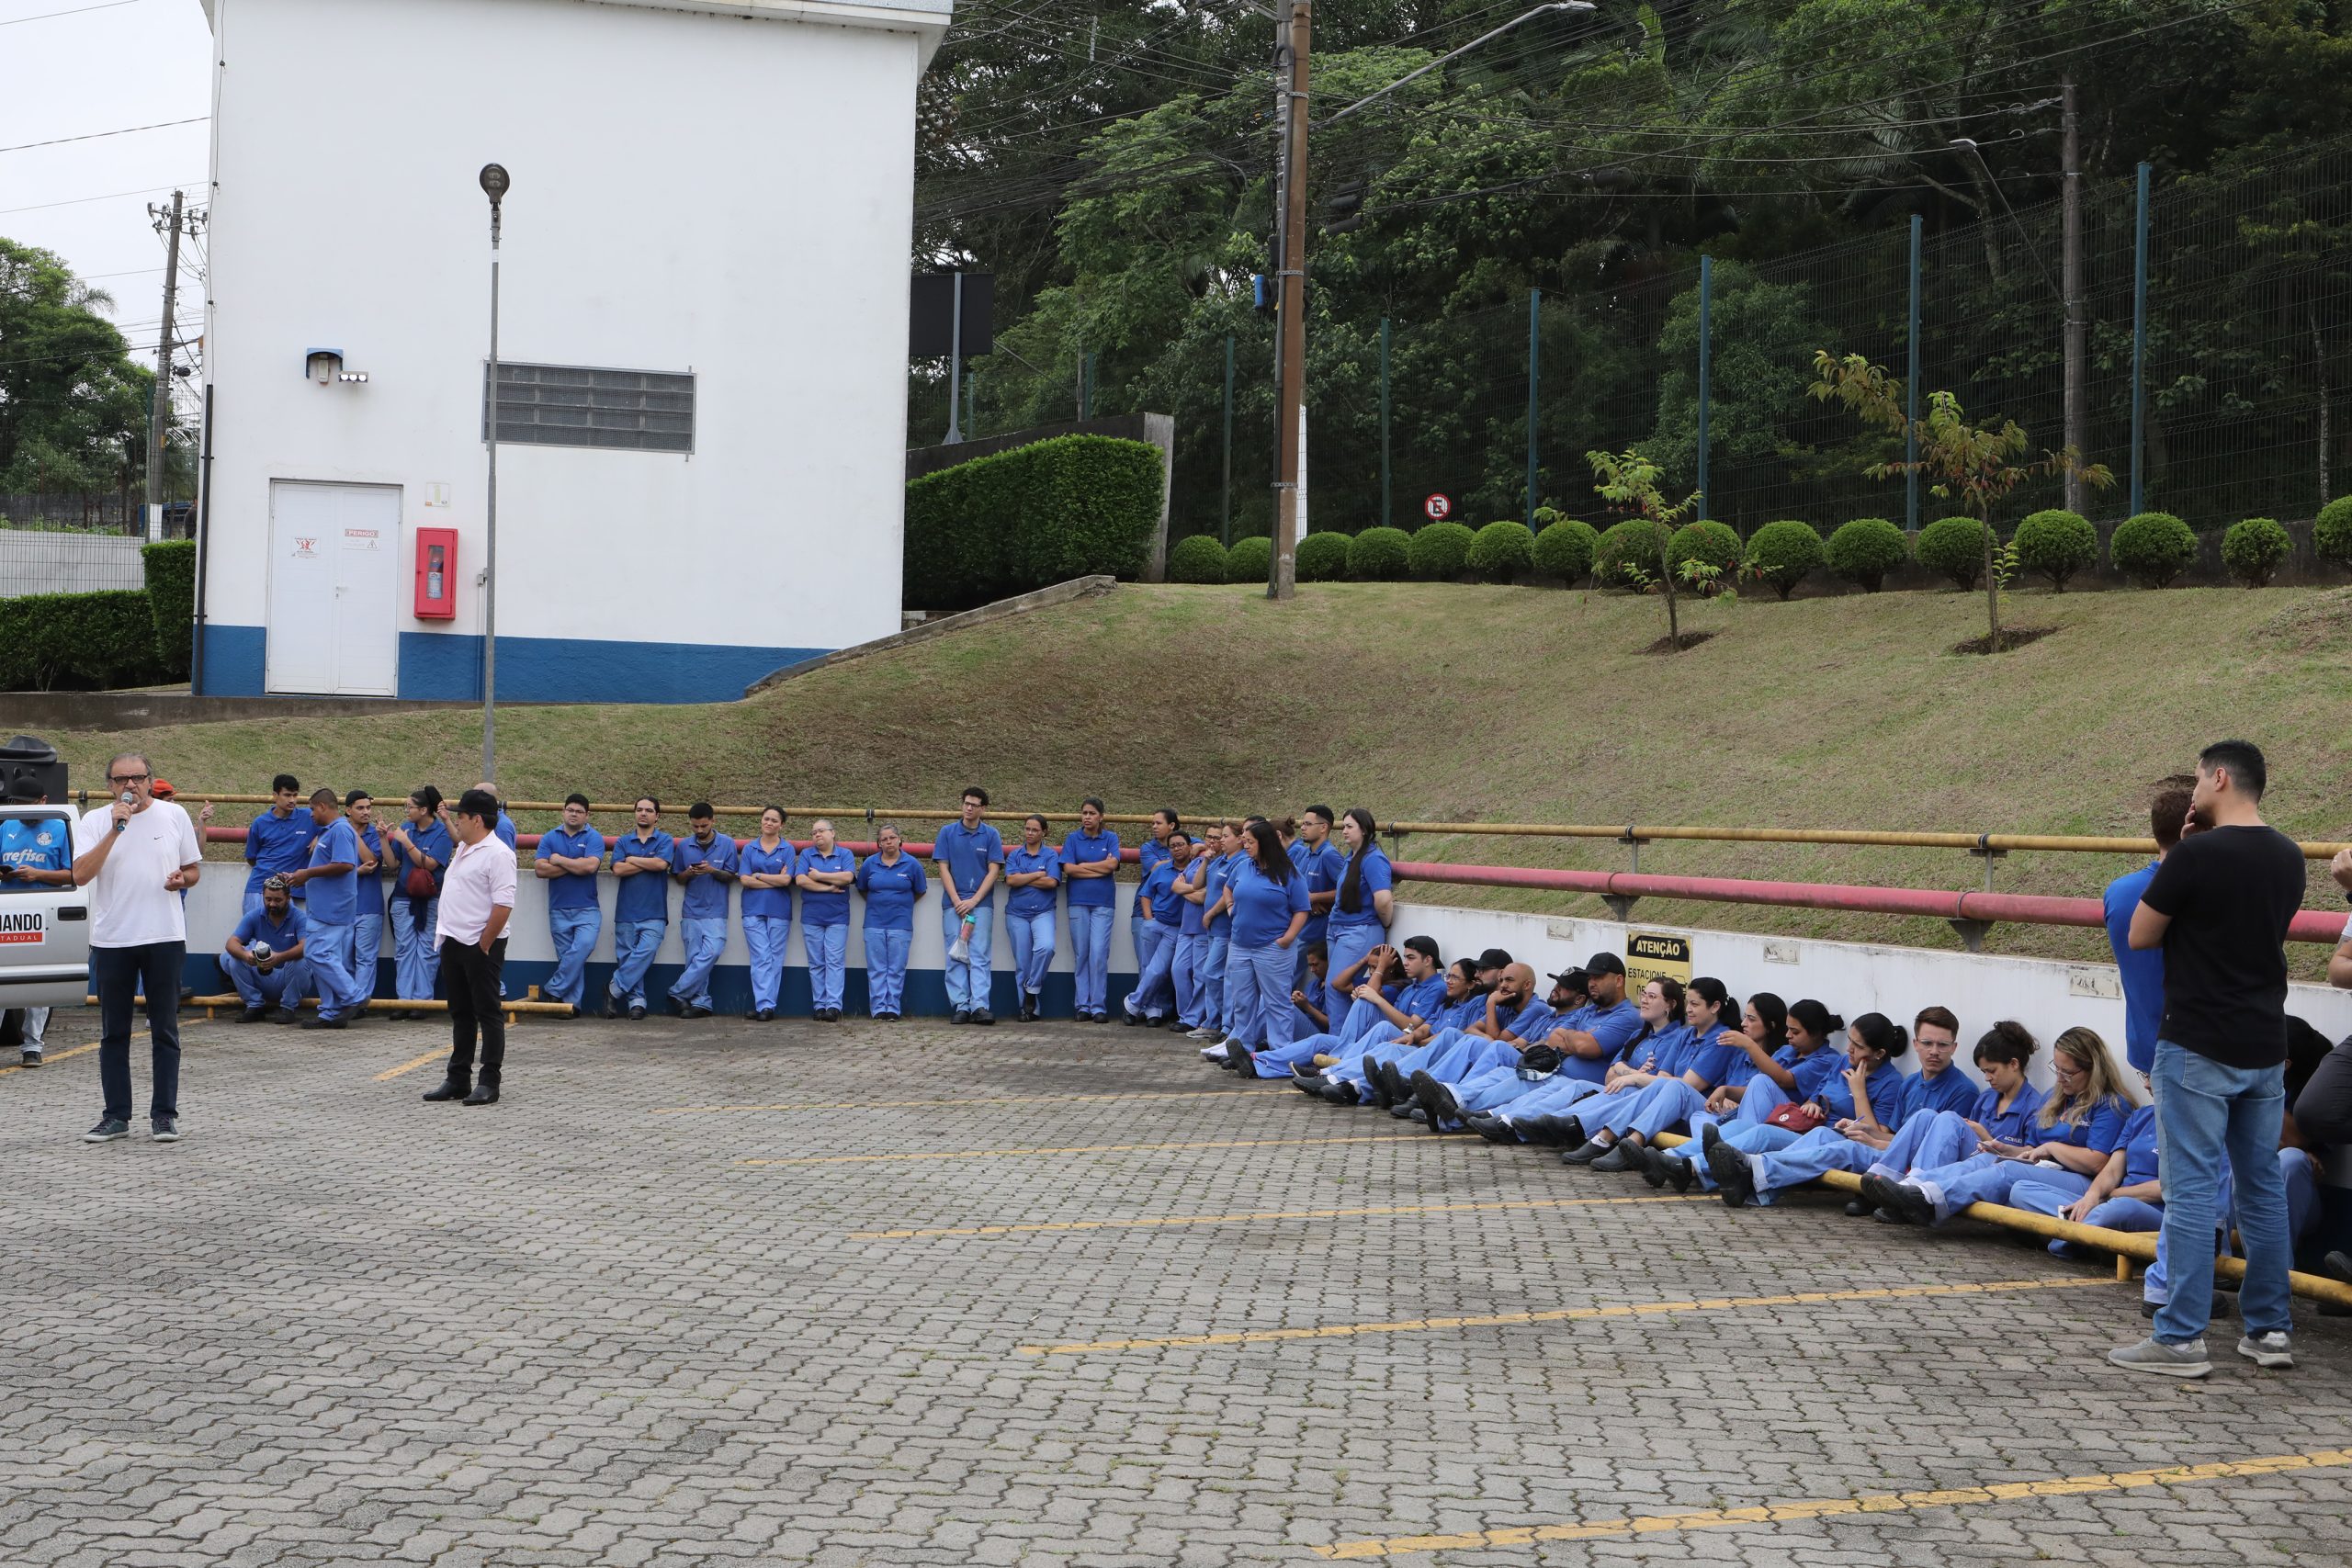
1343, 208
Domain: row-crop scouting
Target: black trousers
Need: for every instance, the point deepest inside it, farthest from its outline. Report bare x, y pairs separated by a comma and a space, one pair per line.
118, 972
2324, 1111
470, 976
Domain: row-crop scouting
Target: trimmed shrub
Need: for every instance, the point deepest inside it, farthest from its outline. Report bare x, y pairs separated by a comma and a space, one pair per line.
2252, 550
2152, 548
1717, 544
1863, 551
1250, 559
2056, 544
1500, 551
1378, 555
1439, 551
1196, 557
2332, 532
1627, 547
171, 594
78, 641
1565, 549
1953, 548
1071, 506
1784, 554
1322, 558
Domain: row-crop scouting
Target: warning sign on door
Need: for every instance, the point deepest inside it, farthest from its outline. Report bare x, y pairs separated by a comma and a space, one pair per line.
359, 538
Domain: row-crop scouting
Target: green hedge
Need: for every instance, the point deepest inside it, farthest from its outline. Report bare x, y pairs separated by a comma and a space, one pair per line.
1563, 550
2152, 548
2056, 544
1783, 554
1380, 554
170, 595
2332, 532
1250, 559
1717, 544
78, 641
1196, 557
1953, 548
1071, 506
1439, 551
1321, 558
1863, 551
1500, 551
2253, 549
1631, 544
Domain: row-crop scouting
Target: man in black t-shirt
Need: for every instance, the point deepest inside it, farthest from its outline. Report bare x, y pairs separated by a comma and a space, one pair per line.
2219, 907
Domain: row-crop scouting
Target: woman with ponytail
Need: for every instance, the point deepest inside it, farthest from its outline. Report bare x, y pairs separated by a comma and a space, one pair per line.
1668, 1074
1792, 1075
1999, 1114
1366, 902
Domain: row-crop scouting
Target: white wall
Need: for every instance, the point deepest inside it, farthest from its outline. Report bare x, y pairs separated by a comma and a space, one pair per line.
691, 191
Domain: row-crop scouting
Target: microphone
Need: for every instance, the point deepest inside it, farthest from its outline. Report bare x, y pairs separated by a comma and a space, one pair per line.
122, 822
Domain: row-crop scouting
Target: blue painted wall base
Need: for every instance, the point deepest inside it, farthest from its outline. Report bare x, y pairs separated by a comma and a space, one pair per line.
447, 667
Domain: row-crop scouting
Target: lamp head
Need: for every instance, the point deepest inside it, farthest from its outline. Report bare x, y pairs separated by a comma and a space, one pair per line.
495, 182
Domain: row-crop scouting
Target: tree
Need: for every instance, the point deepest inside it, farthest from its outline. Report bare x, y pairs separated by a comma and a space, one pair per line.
1975, 464
72, 404
1628, 479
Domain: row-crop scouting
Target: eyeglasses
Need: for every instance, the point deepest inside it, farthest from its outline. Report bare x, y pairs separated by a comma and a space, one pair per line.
126, 778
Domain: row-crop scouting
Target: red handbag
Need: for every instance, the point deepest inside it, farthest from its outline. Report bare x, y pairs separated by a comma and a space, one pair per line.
418, 882
1794, 1117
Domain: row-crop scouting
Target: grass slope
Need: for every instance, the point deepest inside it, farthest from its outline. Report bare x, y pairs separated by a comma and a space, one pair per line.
1451, 702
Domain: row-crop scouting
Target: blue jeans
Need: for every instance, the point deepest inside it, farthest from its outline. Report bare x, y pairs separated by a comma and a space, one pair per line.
1262, 984
366, 948
2207, 1111
706, 939
634, 944
886, 969
765, 936
416, 948
326, 954
828, 951
1090, 954
1155, 981
970, 982
282, 987
574, 932
1032, 950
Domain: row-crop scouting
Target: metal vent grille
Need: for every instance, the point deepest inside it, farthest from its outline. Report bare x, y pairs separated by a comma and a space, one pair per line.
578, 405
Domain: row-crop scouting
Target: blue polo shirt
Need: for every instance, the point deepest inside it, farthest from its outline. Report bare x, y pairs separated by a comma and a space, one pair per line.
1377, 878
1815, 1070
1153, 852
33, 843
1031, 900
1951, 1089
505, 830
1616, 1027
766, 903
1193, 875
705, 897
1662, 1052
370, 891
2101, 1129
1091, 892
573, 889
1322, 865
1423, 999
1221, 871
280, 934
823, 908
966, 853
274, 845
2141, 973
1712, 1058
2009, 1125
1884, 1086
2140, 1147
891, 890
335, 900
644, 895
1262, 907
1159, 889
1470, 1009
434, 842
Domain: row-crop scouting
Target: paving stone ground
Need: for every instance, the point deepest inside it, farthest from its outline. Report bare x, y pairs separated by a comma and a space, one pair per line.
338, 1325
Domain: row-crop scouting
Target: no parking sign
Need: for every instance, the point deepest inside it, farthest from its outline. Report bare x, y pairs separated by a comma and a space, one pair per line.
1438, 507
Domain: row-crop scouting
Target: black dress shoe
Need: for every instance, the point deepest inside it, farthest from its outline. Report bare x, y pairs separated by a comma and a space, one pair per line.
636, 1012
285, 1015
483, 1094
1618, 1157
1883, 1193
1492, 1128
1734, 1178
693, 1010
983, 1017
1671, 1172
1709, 1137
253, 1015
1340, 1092
1584, 1153
450, 1090
961, 1015
1651, 1163
1155, 1023
1133, 1019
323, 1023
1406, 1108
1859, 1207
1909, 1203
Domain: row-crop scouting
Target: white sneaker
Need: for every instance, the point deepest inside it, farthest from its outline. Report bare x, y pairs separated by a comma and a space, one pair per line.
2273, 1349
1203, 1035
2153, 1355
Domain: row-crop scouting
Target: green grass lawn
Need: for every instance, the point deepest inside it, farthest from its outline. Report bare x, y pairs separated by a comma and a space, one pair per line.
1440, 701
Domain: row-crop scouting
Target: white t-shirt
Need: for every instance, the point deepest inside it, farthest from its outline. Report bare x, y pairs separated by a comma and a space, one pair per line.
130, 904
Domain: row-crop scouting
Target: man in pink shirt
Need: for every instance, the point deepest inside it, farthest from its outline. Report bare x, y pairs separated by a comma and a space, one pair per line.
477, 899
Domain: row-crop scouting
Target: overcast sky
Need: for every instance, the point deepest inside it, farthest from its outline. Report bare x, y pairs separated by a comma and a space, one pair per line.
102, 67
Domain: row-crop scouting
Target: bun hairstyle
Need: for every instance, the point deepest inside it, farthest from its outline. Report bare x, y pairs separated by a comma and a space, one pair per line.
427, 799
2007, 1040
1818, 1020
1883, 1034
1774, 1012
1713, 992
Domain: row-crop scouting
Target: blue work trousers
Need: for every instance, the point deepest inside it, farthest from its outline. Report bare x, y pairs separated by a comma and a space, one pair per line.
886, 969
1090, 955
573, 932
634, 944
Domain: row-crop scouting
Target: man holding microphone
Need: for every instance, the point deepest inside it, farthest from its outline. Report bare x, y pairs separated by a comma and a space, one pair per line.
477, 899
136, 857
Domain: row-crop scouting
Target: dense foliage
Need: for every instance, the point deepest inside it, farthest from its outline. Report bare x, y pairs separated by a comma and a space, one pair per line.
1502, 550
1197, 557
2057, 545
1250, 559
77, 641
2253, 550
1953, 548
1038, 514
1783, 554
1321, 558
1440, 550
2152, 548
1863, 551
171, 593
1379, 555
1565, 549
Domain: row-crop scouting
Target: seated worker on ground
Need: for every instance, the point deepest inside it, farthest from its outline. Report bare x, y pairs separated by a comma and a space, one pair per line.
2000, 1113
1388, 1063
1869, 1098
1854, 1141
1349, 1080
1570, 1059
1514, 1021
264, 955
1694, 1050
1793, 1074
1666, 1103
2076, 1130
1393, 990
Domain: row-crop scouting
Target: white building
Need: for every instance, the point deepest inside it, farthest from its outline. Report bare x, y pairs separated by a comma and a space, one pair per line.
703, 340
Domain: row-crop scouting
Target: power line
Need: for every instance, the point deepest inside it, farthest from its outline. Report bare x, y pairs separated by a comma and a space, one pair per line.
46, 15
109, 196
98, 135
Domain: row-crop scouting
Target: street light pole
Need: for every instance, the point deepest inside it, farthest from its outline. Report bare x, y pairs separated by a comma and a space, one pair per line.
493, 184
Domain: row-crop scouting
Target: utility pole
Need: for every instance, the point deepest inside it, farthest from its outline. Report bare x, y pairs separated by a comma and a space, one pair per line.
1290, 402
159, 421
2070, 284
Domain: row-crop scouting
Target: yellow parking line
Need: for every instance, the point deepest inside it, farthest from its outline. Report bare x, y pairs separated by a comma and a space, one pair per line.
953, 1104
1108, 1149
440, 1054
1373, 1210
1822, 1507
50, 1058
1559, 1314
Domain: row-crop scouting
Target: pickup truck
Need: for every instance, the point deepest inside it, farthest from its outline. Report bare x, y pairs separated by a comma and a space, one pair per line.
44, 928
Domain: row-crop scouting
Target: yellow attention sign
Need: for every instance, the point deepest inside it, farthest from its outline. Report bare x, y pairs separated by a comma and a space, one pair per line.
1653, 955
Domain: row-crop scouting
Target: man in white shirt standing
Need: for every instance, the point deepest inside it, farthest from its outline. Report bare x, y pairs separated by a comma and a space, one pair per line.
477, 899
137, 856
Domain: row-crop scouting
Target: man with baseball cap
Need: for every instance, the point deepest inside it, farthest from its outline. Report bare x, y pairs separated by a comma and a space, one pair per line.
1585, 1039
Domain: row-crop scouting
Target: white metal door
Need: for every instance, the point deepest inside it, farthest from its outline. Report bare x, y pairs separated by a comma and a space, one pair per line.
333, 588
